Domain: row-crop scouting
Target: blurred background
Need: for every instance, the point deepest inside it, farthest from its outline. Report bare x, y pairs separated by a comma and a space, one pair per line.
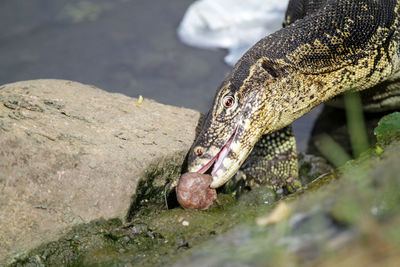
125, 46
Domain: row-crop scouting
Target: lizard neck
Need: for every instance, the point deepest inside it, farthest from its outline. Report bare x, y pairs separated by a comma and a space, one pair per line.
296, 94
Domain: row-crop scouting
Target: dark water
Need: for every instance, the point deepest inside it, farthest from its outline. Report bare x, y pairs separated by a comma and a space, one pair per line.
125, 46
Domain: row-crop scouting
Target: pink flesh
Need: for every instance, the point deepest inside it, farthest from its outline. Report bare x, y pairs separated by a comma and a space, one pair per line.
219, 157
208, 165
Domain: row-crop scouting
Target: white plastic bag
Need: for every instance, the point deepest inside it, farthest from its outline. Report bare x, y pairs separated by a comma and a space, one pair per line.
231, 24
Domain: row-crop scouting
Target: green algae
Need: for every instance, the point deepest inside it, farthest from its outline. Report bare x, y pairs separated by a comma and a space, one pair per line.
152, 239
152, 234
352, 211
153, 189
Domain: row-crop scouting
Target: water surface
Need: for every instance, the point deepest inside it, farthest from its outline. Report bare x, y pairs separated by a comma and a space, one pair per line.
125, 46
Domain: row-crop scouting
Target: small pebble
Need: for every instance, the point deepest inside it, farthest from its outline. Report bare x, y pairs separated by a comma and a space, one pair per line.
194, 192
185, 223
139, 101
280, 212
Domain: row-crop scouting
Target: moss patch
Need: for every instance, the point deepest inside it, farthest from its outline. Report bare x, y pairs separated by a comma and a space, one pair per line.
351, 221
330, 221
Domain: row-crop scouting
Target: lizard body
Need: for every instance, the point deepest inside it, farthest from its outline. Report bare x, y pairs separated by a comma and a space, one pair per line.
326, 48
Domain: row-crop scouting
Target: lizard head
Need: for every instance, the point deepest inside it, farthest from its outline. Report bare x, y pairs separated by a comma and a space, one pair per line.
233, 125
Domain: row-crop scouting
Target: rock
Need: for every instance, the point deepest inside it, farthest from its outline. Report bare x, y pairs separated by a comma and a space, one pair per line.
71, 153
194, 192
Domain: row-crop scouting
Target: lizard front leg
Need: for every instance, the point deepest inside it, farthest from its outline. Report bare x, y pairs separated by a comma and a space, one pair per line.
272, 162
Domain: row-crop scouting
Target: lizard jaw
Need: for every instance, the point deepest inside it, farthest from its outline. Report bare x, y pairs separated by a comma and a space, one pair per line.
219, 157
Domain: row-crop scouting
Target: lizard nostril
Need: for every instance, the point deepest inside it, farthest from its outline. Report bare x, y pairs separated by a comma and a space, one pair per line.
198, 151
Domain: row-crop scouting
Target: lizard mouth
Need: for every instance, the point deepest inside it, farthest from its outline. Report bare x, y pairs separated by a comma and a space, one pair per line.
219, 158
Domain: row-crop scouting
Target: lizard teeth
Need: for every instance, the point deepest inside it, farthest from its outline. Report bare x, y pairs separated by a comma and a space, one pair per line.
208, 165
219, 158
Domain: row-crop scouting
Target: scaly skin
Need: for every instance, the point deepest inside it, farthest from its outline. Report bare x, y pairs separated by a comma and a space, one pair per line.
328, 47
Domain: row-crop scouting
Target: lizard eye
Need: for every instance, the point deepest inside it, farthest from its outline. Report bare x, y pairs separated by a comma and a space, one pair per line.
228, 101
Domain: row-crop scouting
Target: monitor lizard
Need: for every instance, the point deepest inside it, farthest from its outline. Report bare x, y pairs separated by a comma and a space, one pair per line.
326, 47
